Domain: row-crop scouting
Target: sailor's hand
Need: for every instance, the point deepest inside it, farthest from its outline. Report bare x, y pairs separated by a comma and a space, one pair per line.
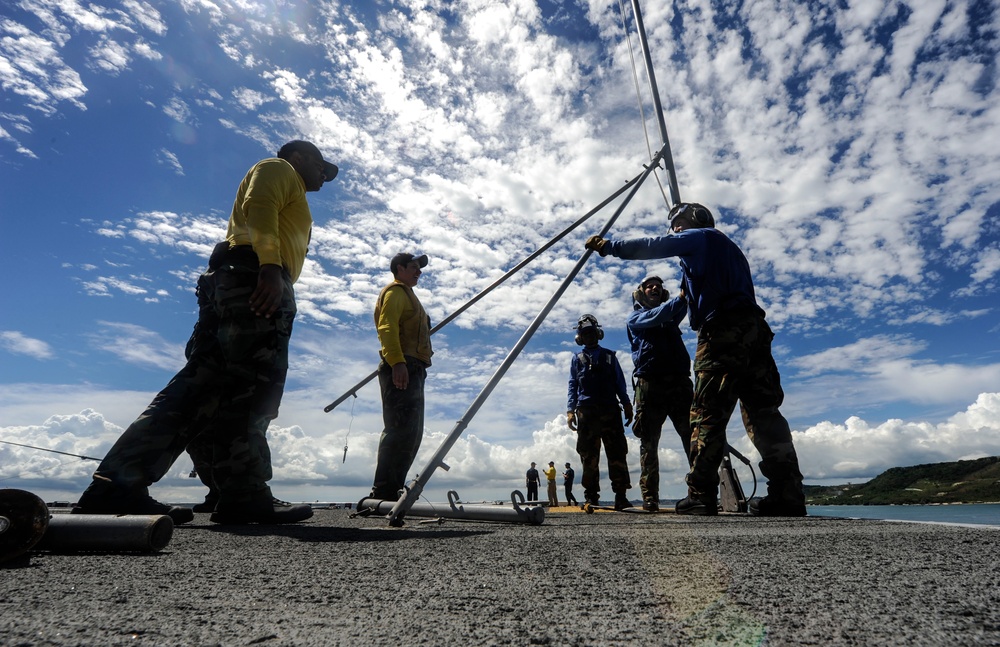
628, 413
571, 420
266, 297
597, 244
400, 376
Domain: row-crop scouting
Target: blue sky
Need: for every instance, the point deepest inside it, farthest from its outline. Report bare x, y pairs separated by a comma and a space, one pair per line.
850, 149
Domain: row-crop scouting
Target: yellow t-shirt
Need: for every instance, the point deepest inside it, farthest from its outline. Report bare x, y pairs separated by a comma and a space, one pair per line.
271, 213
550, 473
402, 325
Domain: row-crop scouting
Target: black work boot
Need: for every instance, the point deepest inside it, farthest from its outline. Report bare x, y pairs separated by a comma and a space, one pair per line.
651, 505
784, 499
621, 501
770, 507
104, 497
261, 508
208, 505
705, 505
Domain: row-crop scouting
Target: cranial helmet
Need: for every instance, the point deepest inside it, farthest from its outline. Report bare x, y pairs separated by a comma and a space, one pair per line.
639, 298
696, 213
588, 323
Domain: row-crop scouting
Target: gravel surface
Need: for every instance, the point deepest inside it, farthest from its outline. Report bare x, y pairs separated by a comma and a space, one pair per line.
602, 579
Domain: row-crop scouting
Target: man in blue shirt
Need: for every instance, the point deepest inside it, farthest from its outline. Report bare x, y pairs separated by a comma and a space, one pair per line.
596, 387
531, 480
661, 379
733, 361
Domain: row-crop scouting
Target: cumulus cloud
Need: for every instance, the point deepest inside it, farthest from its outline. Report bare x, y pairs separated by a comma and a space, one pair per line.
336, 462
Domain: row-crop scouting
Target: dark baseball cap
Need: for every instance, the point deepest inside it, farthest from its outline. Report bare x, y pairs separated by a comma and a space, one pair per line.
405, 259
330, 171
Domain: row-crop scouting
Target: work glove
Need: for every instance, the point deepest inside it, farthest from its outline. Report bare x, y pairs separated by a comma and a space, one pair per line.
571, 420
637, 429
628, 413
597, 244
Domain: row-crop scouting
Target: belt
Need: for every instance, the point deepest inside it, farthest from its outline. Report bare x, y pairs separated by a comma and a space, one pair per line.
223, 254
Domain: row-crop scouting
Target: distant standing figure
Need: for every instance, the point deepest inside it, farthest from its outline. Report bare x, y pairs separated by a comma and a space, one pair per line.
733, 362
531, 480
404, 335
568, 475
231, 386
596, 387
661, 379
550, 476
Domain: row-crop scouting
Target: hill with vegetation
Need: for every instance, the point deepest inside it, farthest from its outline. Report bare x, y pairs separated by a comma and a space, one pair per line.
975, 481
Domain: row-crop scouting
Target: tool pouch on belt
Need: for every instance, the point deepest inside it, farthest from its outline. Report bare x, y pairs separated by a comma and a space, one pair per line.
243, 255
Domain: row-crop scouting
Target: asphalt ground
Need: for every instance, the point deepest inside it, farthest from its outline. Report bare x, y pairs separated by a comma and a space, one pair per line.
577, 579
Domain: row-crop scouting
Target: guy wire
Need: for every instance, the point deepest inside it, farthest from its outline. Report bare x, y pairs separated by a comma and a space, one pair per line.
344, 460
638, 97
54, 451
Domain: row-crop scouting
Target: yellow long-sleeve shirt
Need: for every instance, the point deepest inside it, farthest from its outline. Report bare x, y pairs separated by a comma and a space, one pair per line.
271, 213
402, 325
550, 473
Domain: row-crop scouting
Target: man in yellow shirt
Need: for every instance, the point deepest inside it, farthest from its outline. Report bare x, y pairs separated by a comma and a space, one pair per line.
550, 476
404, 334
229, 391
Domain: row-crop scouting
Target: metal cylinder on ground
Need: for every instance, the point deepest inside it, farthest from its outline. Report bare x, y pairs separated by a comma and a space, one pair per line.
107, 533
24, 519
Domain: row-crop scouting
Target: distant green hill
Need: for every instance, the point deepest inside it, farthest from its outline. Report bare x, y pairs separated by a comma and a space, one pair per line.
976, 481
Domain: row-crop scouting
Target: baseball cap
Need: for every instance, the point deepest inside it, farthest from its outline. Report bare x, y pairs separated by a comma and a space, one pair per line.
405, 259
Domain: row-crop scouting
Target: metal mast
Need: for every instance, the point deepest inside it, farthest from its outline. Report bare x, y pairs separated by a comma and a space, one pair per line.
668, 159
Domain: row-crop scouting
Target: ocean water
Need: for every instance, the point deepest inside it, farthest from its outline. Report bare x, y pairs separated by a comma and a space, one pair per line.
967, 513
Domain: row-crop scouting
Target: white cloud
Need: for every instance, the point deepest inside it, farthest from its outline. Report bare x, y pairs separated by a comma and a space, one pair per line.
110, 56
16, 342
31, 68
170, 159
137, 345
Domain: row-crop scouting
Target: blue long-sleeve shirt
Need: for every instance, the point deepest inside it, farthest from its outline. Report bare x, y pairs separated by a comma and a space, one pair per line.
596, 379
655, 335
716, 273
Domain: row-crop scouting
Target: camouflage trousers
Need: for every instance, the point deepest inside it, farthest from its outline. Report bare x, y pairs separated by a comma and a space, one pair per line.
733, 363
403, 417
596, 425
221, 403
655, 401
